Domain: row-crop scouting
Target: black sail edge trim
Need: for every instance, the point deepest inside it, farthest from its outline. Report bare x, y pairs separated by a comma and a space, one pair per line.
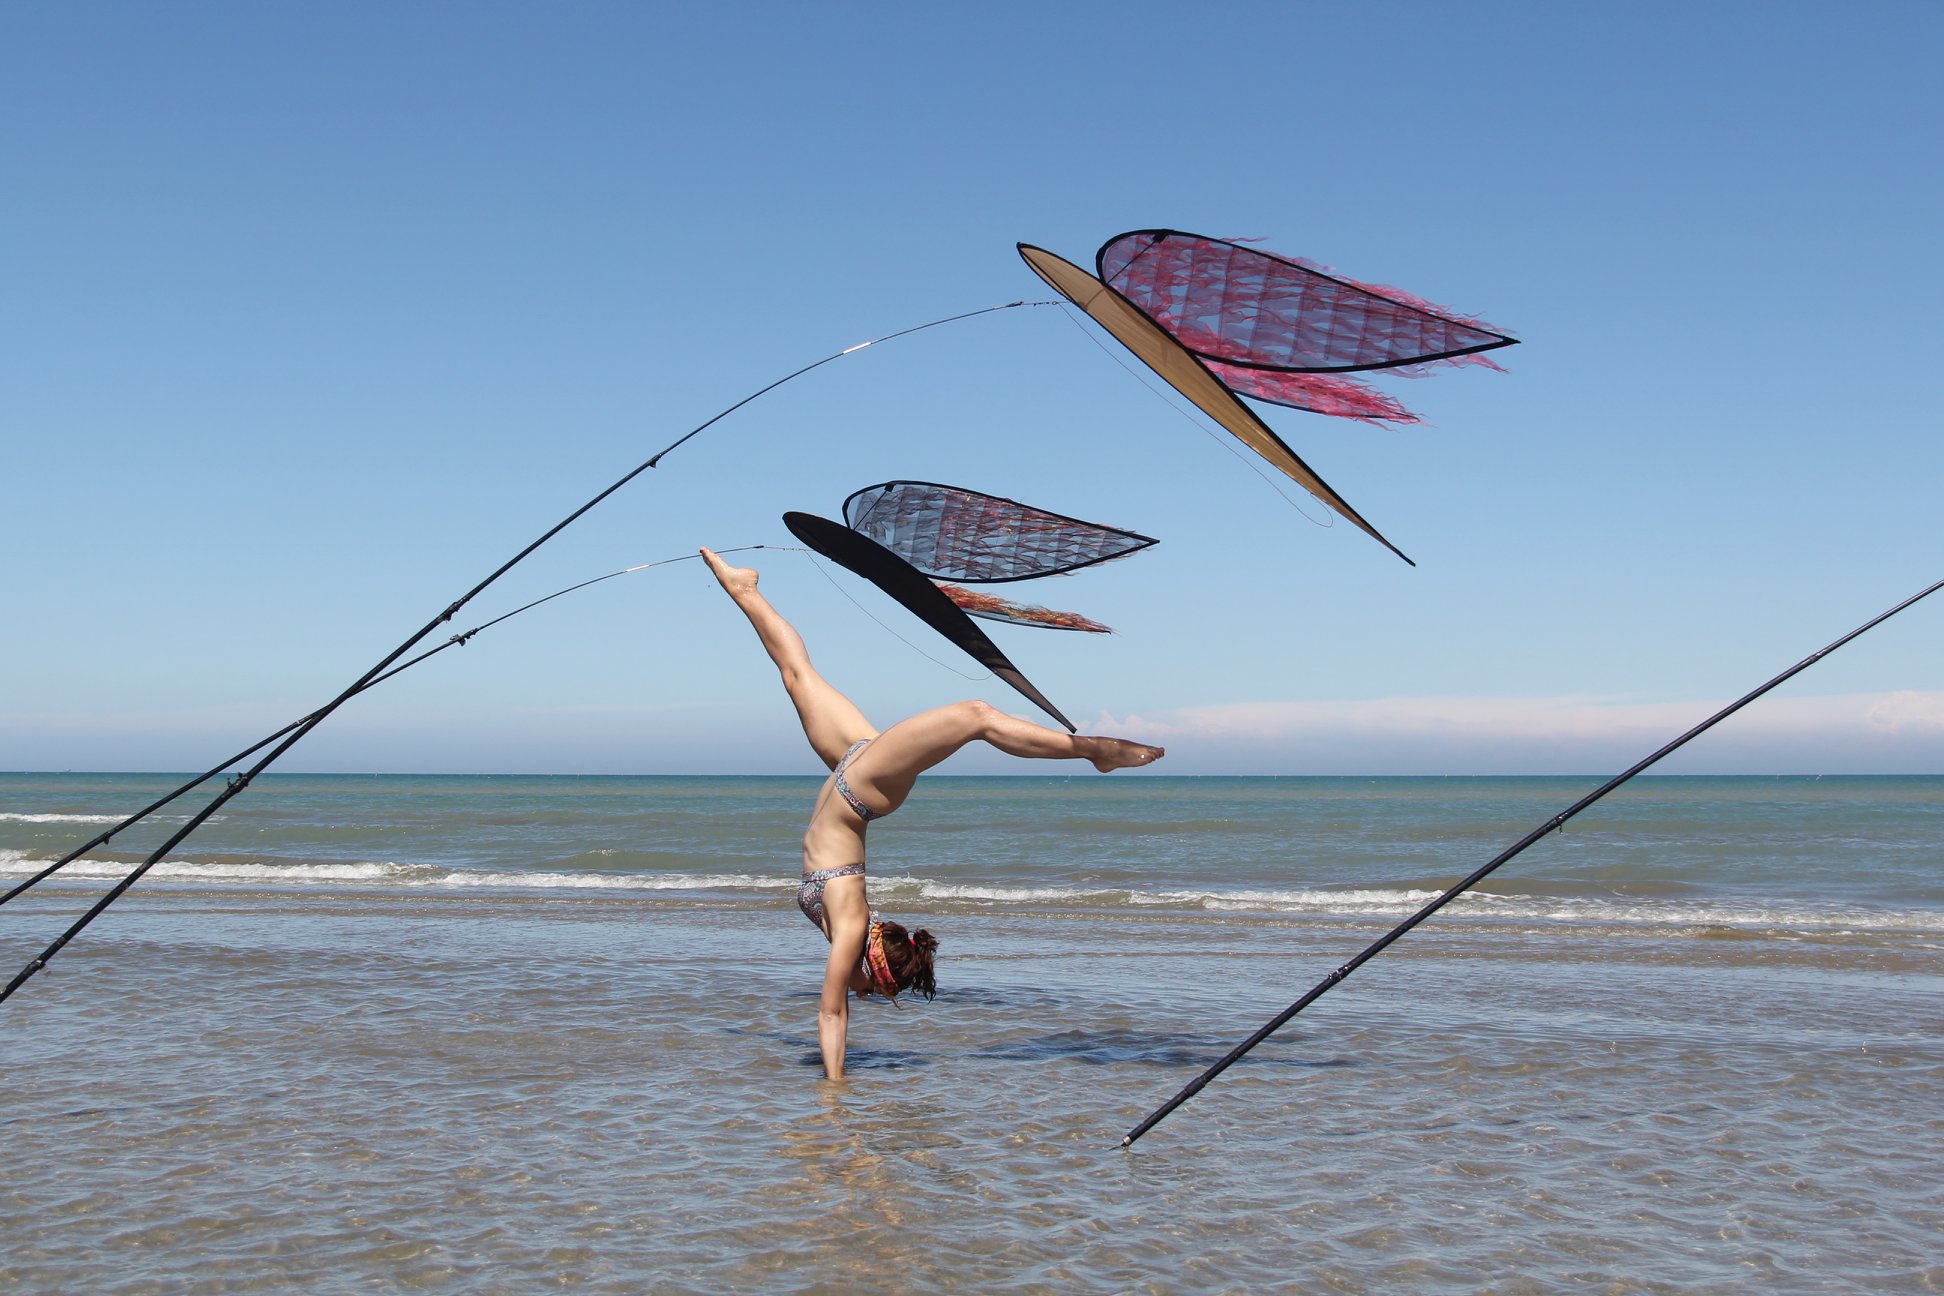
904, 583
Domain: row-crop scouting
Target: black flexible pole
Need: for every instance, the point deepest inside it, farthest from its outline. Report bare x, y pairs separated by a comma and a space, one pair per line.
1553, 824
317, 717
455, 641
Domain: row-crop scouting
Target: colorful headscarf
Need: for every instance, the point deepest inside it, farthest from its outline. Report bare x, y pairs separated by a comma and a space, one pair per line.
877, 963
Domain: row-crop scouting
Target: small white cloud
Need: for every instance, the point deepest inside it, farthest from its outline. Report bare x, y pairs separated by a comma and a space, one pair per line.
1907, 712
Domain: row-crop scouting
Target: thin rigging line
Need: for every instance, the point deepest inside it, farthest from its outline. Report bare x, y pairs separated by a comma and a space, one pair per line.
1226, 443
1555, 824
296, 734
867, 612
456, 641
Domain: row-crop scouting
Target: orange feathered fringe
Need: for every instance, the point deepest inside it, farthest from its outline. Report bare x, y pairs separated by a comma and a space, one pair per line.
980, 604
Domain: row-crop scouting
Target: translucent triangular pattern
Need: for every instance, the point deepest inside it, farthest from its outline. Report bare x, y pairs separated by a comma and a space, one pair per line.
1253, 309
950, 533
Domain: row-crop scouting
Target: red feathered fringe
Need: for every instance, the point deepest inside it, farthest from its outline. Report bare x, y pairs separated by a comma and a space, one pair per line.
980, 604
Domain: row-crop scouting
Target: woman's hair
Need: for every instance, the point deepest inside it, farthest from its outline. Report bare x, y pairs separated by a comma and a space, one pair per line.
910, 956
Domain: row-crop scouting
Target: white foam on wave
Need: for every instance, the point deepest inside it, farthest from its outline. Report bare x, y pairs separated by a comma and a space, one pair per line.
1313, 900
915, 888
392, 874
13, 816
618, 881
198, 871
1365, 903
1402, 902
1351, 902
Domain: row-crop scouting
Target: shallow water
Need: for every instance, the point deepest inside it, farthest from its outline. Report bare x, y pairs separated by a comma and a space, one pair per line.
1604, 1080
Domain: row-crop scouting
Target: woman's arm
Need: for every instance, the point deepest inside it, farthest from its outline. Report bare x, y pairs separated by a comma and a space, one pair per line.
847, 934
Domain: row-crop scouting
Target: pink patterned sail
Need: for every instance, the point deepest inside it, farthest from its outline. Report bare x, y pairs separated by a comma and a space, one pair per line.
1246, 309
1317, 393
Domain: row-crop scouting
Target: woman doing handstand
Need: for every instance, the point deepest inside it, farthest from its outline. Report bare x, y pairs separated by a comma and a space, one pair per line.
871, 775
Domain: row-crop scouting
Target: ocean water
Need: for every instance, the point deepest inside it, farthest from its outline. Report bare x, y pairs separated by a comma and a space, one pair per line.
381, 1033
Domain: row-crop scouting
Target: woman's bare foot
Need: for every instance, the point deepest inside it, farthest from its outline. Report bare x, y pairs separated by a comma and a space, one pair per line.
1118, 753
737, 580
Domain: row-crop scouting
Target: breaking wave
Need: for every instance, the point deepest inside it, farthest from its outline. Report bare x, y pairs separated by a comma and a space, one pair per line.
1373, 903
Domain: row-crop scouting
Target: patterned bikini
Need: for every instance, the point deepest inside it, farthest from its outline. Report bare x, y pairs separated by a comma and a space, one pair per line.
864, 812
810, 893
877, 963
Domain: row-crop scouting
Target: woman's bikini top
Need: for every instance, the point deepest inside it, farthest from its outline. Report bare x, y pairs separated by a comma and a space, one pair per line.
864, 812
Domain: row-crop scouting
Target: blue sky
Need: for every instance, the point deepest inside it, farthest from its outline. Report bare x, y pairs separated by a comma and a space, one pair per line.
316, 314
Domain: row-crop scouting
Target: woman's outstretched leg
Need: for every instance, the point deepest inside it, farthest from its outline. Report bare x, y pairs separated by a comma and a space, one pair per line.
831, 721
889, 766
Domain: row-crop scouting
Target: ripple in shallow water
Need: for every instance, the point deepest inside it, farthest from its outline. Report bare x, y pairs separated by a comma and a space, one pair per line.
257, 1095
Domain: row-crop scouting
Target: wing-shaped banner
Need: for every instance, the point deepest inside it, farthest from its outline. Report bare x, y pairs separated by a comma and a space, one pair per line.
1187, 374
1251, 309
924, 600
950, 533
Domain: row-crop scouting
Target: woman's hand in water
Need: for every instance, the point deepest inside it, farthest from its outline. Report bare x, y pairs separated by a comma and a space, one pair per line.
850, 922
